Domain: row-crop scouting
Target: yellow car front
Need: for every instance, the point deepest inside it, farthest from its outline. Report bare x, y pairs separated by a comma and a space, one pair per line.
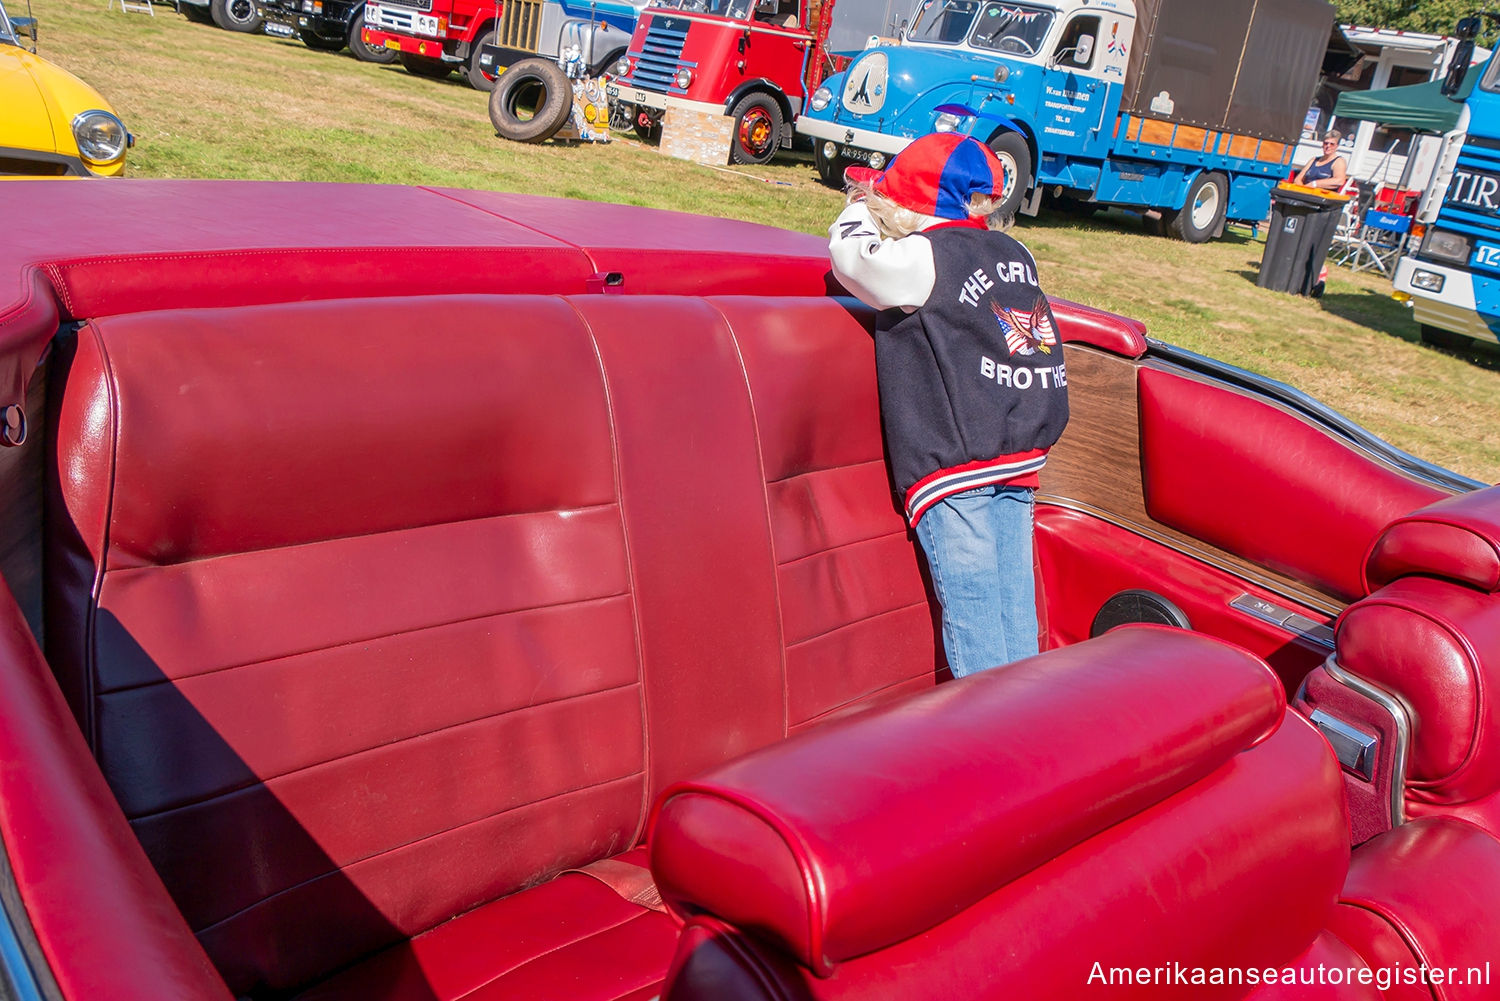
51, 122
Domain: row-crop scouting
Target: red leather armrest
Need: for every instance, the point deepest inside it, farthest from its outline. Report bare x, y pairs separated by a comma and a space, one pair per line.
100, 913
1457, 538
1081, 324
871, 830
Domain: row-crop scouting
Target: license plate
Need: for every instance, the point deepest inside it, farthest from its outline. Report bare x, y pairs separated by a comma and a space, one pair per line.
391, 43
631, 95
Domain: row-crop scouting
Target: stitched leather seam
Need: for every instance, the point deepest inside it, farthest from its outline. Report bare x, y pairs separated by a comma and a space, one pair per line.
382, 533
632, 586
760, 461
362, 640
822, 470
855, 622
884, 537
266, 780
338, 871
824, 713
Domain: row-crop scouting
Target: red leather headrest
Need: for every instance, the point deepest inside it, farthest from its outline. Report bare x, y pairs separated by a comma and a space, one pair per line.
1457, 538
871, 830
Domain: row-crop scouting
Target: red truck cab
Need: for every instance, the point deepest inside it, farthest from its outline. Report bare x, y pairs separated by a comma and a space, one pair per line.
435, 37
754, 60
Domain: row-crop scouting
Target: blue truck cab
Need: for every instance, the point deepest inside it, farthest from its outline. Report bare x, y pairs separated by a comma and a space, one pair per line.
1156, 104
1452, 280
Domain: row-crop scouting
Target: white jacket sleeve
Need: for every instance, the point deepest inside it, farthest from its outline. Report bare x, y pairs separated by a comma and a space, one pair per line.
880, 273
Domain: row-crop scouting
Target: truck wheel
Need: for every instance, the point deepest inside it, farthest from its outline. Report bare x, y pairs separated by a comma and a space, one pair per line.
364, 51
1202, 211
235, 15
432, 69
647, 126
321, 44
531, 101
1015, 155
472, 73
830, 170
757, 129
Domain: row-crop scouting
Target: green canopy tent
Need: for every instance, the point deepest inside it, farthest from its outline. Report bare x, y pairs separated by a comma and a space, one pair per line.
1420, 107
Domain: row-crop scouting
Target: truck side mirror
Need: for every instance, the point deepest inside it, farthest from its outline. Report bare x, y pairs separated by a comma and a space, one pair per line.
25, 26
1459, 65
1084, 49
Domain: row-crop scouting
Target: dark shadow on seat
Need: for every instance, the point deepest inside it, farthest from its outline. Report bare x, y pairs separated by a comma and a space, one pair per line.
343, 928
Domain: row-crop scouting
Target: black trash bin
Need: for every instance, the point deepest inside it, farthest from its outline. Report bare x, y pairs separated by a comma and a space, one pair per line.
1303, 221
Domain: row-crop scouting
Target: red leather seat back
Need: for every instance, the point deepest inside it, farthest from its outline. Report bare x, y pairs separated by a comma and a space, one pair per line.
1431, 635
695, 520
339, 592
856, 616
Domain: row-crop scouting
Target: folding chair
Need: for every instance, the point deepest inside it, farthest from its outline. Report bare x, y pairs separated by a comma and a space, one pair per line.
1381, 238
1346, 245
132, 6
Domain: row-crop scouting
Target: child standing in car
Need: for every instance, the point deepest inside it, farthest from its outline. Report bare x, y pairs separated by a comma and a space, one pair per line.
973, 391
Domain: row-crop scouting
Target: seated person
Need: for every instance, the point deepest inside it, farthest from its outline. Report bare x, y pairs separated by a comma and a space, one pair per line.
1327, 171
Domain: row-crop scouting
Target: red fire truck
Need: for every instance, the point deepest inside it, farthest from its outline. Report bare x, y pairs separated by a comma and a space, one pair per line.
754, 60
435, 37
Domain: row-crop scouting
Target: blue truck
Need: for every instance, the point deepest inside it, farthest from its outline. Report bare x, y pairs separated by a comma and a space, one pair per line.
1185, 110
1452, 280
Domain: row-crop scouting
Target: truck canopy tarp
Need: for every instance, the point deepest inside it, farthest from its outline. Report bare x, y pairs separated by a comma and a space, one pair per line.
1244, 66
1420, 106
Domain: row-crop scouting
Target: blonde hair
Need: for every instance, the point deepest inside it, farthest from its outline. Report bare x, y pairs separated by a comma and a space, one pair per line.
896, 221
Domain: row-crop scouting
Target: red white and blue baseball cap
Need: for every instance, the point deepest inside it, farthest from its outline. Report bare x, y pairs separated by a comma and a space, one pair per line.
936, 175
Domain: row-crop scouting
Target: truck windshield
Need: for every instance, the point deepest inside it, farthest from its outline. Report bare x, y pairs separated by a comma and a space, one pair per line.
723, 8
1015, 28
944, 21
1491, 79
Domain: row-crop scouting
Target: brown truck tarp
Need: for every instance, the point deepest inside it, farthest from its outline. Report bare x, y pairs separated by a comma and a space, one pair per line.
1243, 66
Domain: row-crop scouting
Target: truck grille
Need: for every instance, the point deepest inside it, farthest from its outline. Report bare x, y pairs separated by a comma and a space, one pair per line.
402, 20
413, 4
660, 53
520, 24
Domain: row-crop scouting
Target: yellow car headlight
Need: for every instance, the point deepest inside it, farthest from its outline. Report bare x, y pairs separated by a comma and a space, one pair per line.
101, 136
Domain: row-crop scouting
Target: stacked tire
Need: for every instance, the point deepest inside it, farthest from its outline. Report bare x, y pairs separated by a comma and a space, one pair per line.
531, 101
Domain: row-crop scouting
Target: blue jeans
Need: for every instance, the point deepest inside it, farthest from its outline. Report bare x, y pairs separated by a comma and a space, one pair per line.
978, 546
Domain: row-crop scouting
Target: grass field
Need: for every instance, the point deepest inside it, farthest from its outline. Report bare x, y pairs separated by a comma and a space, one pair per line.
206, 103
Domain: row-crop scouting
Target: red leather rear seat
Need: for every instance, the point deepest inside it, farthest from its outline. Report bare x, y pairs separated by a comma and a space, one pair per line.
375, 613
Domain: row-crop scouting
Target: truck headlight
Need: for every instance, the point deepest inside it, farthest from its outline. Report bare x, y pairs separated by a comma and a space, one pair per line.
682, 78
877, 160
1427, 281
622, 68
101, 137
946, 122
820, 99
1446, 245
